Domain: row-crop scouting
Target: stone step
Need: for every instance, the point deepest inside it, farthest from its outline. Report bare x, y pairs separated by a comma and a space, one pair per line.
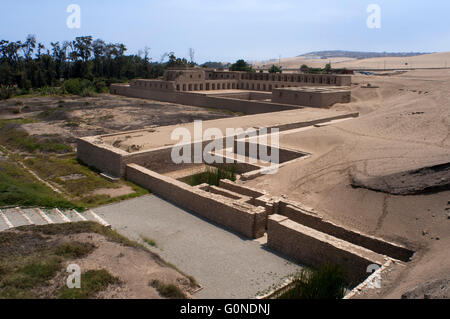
16, 217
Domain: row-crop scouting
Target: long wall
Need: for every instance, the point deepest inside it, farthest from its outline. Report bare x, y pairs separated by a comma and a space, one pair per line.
317, 222
245, 219
314, 248
202, 100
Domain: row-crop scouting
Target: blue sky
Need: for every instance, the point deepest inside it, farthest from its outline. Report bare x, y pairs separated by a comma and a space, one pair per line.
225, 30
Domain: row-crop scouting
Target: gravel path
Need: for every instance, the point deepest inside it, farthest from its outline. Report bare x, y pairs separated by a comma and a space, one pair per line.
224, 263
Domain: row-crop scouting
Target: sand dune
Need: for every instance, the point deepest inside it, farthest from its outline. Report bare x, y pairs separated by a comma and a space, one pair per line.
434, 60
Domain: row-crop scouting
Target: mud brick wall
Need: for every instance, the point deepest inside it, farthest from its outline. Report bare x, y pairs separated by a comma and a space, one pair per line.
317, 222
243, 218
313, 248
101, 158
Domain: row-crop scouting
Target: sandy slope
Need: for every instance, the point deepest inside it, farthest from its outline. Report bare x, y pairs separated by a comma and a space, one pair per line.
435, 60
404, 124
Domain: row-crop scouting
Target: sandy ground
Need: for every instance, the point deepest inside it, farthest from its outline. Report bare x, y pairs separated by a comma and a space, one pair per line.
162, 136
404, 125
435, 60
135, 268
73, 117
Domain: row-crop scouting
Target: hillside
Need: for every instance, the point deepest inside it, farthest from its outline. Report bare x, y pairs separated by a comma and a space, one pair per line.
358, 54
433, 60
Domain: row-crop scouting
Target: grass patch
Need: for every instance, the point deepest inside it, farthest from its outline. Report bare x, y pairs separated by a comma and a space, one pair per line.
81, 228
149, 242
53, 168
4, 123
92, 282
31, 256
15, 138
18, 281
224, 111
18, 187
74, 250
212, 176
29, 260
167, 290
327, 282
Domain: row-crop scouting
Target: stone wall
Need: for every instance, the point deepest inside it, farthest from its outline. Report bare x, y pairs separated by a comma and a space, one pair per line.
313, 248
317, 222
242, 218
100, 157
314, 97
202, 100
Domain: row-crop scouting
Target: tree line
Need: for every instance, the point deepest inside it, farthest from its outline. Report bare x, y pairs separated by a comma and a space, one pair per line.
83, 64
30, 64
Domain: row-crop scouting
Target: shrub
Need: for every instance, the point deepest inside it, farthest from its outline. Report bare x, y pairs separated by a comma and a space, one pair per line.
327, 282
92, 282
72, 86
212, 176
167, 291
87, 92
74, 249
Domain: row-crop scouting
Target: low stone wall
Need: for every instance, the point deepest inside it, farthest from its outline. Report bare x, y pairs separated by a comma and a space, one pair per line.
243, 190
103, 159
314, 97
317, 222
202, 100
243, 218
313, 248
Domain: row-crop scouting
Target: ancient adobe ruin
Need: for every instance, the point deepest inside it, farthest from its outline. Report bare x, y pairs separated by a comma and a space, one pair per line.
298, 232
247, 92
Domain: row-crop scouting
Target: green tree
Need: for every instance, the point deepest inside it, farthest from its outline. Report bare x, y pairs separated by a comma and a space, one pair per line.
241, 65
275, 69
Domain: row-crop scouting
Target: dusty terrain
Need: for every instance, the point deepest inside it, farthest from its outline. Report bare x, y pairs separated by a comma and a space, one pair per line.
434, 60
404, 125
91, 247
72, 117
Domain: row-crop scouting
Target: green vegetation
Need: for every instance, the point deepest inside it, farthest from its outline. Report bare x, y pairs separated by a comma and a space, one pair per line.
326, 70
28, 261
224, 111
327, 282
31, 257
149, 242
92, 282
17, 187
4, 123
215, 65
167, 290
275, 69
15, 138
74, 249
212, 176
28, 67
80, 228
241, 65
